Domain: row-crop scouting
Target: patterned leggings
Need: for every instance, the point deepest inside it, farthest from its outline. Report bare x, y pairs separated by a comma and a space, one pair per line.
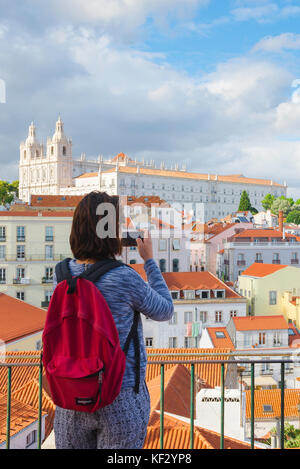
121, 425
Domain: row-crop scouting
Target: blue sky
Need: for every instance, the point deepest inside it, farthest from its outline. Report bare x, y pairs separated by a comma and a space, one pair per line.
208, 83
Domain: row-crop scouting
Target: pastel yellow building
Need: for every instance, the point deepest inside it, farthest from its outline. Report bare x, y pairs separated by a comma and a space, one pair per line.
31, 243
272, 289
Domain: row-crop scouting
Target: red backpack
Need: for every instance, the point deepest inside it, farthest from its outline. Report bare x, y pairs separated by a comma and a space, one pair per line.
82, 355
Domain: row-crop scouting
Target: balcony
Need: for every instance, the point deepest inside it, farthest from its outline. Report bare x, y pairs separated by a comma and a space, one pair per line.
161, 363
241, 263
49, 238
276, 261
47, 279
20, 239
259, 261
294, 261
21, 281
2, 239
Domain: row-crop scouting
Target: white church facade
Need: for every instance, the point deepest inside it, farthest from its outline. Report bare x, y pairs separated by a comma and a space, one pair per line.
52, 170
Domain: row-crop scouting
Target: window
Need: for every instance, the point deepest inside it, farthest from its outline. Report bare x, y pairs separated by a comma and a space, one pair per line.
20, 273
258, 257
49, 273
49, 233
189, 294
20, 295
176, 244
220, 335
175, 265
204, 294
162, 265
162, 244
218, 316
262, 338
64, 151
20, 252
149, 341
201, 316
173, 319
172, 342
31, 438
2, 252
276, 339
188, 317
48, 294
133, 261
189, 342
38, 345
2, 233
267, 408
273, 297
132, 248
20, 233
233, 314
175, 295
49, 252
219, 293
2, 275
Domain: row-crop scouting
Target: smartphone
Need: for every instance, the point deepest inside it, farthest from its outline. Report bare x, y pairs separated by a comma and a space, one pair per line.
129, 238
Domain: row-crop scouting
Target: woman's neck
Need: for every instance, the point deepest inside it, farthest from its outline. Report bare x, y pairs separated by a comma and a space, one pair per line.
85, 261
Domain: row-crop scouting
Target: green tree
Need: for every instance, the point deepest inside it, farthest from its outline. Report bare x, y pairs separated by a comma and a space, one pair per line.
294, 217
291, 436
267, 201
8, 191
281, 204
245, 203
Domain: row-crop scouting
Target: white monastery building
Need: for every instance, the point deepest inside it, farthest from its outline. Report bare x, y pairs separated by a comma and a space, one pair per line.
52, 170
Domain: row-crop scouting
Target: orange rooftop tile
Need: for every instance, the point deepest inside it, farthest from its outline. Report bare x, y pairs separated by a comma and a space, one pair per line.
262, 270
18, 318
250, 323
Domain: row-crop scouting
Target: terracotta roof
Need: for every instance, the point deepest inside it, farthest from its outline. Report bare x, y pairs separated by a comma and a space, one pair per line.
252, 323
55, 200
220, 342
262, 270
208, 374
262, 233
121, 157
177, 436
272, 397
29, 395
191, 281
147, 200
21, 375
294, 340
19, 319
196, 176
88, 175
40, 213
22, 415
176, 393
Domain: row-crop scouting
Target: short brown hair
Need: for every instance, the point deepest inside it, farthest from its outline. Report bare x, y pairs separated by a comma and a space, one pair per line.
84, 240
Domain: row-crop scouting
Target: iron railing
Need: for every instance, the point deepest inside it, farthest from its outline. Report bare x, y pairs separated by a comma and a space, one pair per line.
233, 359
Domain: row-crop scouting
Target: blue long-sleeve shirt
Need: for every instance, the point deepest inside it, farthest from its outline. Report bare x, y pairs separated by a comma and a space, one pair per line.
125, 292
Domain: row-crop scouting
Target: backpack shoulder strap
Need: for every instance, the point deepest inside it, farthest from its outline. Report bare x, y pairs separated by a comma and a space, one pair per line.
100, 268
134, 336
62, 271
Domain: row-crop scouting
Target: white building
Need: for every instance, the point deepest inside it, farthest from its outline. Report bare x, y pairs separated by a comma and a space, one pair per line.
265, 246
200, 300
52, 170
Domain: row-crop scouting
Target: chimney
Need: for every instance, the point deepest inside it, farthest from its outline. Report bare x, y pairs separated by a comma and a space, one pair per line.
280, 221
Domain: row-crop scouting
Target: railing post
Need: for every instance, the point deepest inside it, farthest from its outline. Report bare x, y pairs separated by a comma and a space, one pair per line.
162, 404
222, 407
8, 414
282, 408
192, 406
40, 404
252, 405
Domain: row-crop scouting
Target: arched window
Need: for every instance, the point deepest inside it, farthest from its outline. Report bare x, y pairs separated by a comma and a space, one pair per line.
162, 265
175, 265
64, 151
37, 154
52, 150
25, 154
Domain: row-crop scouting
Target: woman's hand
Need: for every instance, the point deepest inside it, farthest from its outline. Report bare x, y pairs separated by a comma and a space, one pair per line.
145, 246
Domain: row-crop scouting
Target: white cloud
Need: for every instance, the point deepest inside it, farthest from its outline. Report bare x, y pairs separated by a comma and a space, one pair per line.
262, 13
279, 43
